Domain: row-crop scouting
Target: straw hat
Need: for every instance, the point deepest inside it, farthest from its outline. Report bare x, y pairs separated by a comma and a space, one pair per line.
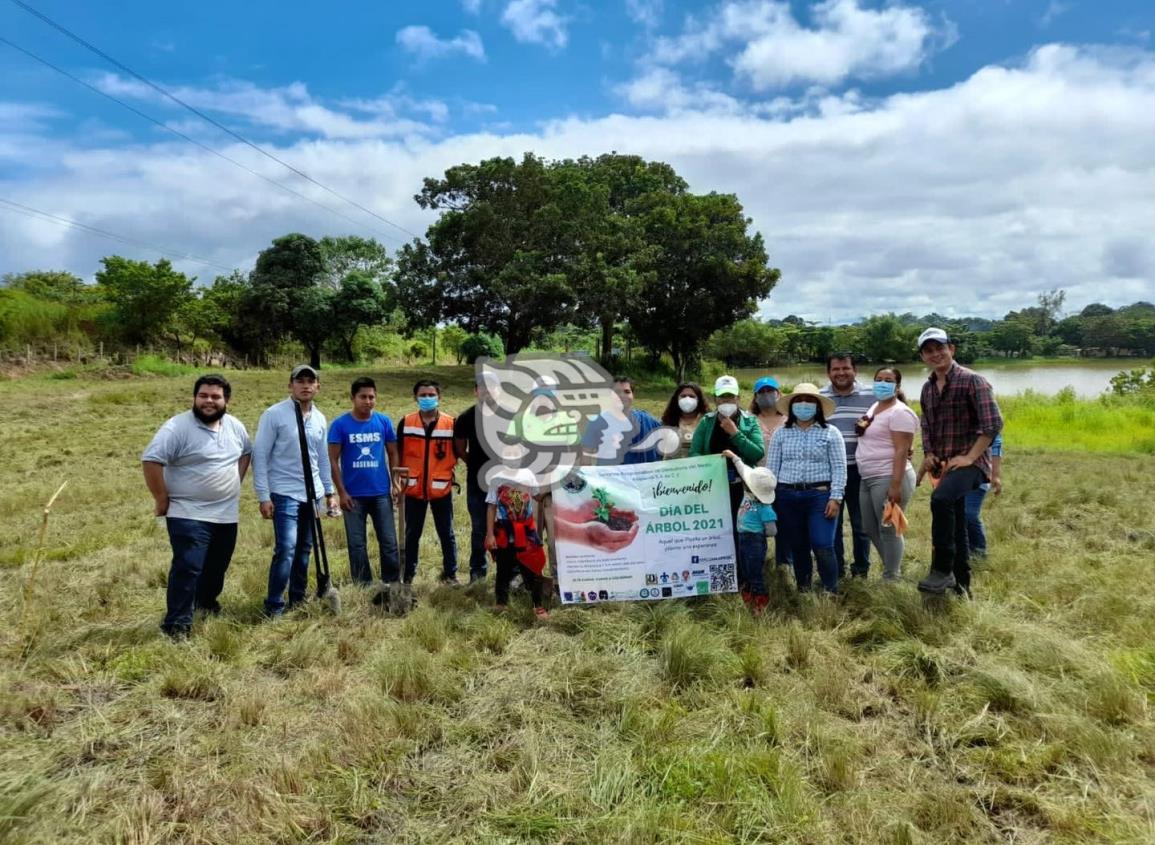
806, 389
760, 481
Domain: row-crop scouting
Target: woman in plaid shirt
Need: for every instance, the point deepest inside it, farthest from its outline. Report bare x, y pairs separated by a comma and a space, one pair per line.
808, 457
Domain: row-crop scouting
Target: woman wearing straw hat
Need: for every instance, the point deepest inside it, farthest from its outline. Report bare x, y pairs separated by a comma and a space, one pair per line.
885, 436
808, 458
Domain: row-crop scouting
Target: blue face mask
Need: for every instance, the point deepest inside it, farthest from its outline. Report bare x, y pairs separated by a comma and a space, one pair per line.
427, 403
884, 390
805, 411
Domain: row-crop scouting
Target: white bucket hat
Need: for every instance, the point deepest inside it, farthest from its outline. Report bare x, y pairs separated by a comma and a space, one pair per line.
760, 481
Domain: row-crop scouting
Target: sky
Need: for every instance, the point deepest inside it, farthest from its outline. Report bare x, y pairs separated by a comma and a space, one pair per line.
958, 156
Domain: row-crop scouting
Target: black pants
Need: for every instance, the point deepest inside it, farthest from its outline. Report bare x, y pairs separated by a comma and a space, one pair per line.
507, 566
948, 523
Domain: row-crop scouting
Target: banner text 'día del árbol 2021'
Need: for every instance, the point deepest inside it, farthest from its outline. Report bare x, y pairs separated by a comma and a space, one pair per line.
645, 531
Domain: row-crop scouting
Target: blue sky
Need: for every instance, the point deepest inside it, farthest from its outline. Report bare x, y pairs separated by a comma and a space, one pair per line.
960, 156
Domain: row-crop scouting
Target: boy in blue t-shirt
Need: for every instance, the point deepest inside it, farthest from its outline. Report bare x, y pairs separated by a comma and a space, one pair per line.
362, 449
756, 521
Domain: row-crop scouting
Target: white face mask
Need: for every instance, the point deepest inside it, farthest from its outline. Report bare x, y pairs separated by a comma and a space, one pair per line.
688, 404
728, 409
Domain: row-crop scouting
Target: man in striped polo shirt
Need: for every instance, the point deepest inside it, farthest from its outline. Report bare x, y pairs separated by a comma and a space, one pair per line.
851, 401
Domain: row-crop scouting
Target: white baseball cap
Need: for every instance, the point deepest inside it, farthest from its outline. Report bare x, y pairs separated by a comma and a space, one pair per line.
726, 384
933, 333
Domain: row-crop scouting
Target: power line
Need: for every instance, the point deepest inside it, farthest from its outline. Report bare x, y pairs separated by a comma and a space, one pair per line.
121, 66
29, 211
183, 136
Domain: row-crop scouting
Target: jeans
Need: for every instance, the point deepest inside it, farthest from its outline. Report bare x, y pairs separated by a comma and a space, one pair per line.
293, 533
803, 525
860, 540
948, 523
380, 510
475, 502
443, 521
751, 558
201, 552
890, 545
507, 566
976, 531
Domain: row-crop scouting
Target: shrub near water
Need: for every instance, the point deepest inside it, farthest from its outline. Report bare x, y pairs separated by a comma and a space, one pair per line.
1025, 716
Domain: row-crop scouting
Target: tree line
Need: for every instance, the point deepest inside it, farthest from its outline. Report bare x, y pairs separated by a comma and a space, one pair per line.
523, 253
589, 254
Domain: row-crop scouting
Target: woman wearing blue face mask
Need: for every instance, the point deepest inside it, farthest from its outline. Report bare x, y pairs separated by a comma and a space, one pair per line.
809, 459
885, 436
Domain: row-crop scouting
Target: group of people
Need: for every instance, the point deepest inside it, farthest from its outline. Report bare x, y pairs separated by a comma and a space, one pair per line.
798, 463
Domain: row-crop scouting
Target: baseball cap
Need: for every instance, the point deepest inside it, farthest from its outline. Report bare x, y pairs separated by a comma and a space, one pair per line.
933, 333
302, 370
767, 381
726, 384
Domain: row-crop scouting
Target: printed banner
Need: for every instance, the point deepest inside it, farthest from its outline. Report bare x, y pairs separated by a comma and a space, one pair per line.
646, 531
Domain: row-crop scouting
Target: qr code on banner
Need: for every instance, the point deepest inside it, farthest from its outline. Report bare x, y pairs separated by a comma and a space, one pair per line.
722, 578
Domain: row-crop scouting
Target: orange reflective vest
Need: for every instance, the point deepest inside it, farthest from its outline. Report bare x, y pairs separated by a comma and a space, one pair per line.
429, 457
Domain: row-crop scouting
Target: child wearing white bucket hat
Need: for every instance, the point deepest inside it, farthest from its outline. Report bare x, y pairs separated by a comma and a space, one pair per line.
755, 522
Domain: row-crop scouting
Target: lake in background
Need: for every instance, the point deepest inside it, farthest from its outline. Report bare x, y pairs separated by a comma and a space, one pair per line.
1088, 379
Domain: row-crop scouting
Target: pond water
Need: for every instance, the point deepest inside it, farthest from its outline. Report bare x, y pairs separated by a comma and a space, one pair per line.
1088, 379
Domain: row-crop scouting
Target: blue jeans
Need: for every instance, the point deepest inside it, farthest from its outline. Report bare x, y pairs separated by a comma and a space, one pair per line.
751, 557
293, 533
443, 521
478, 562
380, 510
201, 552
859, 539
976, 532
803, 525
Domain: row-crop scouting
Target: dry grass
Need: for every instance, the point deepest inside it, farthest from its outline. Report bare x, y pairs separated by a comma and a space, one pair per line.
1023, 717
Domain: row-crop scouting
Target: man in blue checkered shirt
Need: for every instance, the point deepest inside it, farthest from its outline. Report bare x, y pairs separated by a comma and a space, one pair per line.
851, 402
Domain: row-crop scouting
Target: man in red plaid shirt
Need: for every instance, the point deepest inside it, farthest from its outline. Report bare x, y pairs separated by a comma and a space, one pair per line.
960, 420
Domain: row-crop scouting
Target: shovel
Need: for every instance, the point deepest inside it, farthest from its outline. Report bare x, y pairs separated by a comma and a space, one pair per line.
325, 589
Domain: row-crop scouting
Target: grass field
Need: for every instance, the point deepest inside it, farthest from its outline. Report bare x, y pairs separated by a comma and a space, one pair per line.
1023, 717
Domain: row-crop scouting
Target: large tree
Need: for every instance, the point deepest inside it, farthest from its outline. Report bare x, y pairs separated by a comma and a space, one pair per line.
706, 272
496, 260
285, 294
144, 297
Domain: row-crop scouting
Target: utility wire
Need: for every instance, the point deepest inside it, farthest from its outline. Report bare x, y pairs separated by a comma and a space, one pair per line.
183, 136
29, 211
121, 66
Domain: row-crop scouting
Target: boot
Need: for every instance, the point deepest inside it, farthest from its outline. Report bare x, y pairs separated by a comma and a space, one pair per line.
937, 582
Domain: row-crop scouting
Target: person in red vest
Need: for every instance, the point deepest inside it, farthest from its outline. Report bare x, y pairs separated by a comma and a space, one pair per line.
425, 441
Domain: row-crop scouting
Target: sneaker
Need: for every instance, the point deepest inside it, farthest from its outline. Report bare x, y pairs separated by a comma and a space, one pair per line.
760, 604
937, 582
747, 597
474, 577
962, 592
451, 581
210, 609
541, 613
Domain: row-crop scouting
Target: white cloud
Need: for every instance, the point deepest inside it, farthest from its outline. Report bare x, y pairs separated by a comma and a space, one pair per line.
290, 108
662, 90
971, 199
1053, 10
646, 12
536, 22
473, 7
423, 43
768, 48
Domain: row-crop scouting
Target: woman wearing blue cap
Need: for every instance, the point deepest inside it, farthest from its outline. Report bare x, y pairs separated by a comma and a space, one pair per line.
764, 406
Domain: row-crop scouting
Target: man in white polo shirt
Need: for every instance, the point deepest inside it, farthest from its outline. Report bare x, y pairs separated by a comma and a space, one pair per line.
279, 481
194, 467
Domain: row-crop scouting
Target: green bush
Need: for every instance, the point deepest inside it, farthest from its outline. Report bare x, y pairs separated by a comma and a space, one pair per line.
154, 365
479, 345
